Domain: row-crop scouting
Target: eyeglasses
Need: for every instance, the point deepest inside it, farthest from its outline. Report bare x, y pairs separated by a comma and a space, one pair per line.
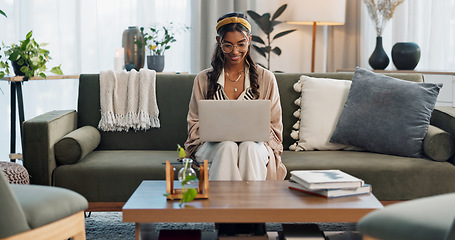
227, 47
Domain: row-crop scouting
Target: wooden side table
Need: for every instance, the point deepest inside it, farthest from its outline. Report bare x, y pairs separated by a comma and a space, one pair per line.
16, 90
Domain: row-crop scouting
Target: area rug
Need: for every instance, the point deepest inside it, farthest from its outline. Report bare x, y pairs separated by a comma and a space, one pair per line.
109, 225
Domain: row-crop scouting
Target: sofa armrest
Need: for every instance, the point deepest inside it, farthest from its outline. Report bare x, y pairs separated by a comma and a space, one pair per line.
443, 117
39, 136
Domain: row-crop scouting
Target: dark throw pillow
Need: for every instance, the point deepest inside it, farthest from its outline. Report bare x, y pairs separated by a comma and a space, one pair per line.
386, 115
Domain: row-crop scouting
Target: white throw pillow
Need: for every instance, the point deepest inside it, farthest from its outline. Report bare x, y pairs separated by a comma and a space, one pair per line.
321, 103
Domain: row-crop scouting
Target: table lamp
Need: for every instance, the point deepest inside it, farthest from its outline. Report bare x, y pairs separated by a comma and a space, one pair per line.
312, 12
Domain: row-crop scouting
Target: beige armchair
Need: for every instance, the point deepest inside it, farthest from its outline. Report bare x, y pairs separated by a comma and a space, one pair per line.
40, 212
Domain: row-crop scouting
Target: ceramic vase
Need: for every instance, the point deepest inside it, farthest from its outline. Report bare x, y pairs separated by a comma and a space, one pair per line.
134, 53
379, 59
155, 62
405, 55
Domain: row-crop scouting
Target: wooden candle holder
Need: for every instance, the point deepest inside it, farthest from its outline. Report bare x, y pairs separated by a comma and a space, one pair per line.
202, 190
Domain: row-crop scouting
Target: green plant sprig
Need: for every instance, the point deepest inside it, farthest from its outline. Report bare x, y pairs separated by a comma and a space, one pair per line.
30, 56
267, 22
159, 39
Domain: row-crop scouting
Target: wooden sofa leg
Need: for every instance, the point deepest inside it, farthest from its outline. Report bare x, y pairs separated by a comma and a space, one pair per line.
366, 237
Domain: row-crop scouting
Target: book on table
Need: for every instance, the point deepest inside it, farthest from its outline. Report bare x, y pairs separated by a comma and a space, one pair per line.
325, 179
332, 192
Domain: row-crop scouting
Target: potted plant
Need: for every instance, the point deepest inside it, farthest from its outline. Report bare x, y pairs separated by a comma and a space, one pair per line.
157, 40
28, 58
267, 23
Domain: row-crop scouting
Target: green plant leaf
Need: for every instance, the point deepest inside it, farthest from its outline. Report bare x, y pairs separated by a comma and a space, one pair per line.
57, 70
2, 74
189, 195
189, 178
277, 51
262, 21
181, 151
42, 75
260, 50
283, 33
14, 56
257, 39
3, 13
29, 35
279, 11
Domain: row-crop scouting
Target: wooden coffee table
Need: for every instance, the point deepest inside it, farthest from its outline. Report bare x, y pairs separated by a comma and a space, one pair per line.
244, 202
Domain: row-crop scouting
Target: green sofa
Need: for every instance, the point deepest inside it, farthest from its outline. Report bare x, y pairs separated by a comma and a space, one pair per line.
108, 175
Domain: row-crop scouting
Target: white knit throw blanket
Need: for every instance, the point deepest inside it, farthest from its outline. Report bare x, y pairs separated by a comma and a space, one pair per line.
128, 100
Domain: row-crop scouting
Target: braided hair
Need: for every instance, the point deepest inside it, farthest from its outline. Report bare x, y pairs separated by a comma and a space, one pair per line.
218, 57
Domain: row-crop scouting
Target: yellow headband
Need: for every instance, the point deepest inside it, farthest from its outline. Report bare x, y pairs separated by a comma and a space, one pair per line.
234, 20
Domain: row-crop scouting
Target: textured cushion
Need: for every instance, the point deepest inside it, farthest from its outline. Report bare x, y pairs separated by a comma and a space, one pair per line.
438, 144
321, 102
76, 144
386, 115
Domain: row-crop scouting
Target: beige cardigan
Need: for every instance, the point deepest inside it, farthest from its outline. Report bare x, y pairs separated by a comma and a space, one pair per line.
268, 89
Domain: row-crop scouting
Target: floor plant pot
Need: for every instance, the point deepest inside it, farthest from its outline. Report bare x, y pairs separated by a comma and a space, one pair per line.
405, 55
155, 62
379, 59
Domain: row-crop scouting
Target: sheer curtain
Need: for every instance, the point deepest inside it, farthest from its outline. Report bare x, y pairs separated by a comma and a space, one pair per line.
82, 37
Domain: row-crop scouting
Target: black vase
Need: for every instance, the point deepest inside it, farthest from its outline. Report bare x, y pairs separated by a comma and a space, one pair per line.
134, 53
379, 59
155, 63
405, 55
17, 68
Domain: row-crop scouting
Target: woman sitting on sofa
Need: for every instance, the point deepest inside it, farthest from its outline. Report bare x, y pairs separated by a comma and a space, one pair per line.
235, 76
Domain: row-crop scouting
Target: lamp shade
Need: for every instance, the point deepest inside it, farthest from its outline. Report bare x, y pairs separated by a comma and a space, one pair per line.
323, 12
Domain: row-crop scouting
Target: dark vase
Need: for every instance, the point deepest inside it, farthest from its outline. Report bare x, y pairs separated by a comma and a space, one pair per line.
379, 59
134, 53
405, 55
17, 68
155, 63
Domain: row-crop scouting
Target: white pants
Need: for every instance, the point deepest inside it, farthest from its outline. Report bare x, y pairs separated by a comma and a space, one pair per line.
235, 161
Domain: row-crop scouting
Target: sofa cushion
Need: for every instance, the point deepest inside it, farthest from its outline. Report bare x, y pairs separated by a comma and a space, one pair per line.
43, 204
76, 144
438, 144
391, 177
113, 175
321, 103
386, 115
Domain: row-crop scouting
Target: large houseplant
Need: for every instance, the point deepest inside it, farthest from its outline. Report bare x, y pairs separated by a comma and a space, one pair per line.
267, 23
157, 40
28, 58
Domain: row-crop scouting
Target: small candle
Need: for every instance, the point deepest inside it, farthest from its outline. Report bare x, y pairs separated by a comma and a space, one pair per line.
119, 59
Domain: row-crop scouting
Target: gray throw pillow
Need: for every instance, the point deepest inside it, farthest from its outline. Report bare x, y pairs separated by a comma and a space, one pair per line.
386, 115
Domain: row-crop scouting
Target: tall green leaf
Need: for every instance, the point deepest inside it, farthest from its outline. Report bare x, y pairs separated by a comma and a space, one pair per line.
279, 11
3, 13
257, 39
283, 33
277, 51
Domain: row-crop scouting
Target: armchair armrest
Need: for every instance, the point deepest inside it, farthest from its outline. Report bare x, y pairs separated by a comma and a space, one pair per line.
39, 136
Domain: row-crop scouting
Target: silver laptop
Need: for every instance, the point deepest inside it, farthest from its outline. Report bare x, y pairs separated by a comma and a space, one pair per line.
232, 120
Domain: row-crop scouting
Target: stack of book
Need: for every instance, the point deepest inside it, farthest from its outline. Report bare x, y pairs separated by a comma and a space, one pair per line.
327, 183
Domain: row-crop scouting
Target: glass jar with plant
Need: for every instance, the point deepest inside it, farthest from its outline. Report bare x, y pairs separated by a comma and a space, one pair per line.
28, 58
157, 40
